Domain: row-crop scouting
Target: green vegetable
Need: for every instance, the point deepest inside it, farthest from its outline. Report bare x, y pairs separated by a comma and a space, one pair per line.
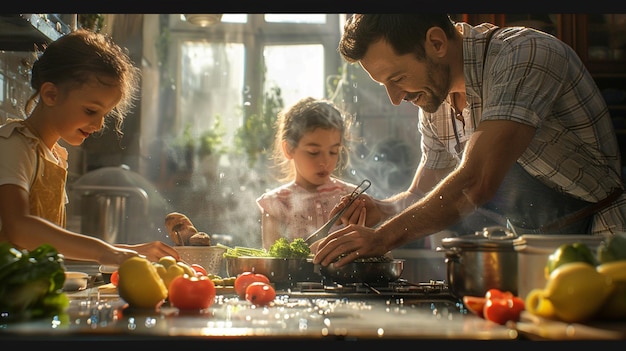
566, 253
31, 283
612, 249
241, 251
282, 248
297, 248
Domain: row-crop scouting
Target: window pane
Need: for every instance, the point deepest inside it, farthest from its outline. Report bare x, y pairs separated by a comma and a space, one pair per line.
296, 18
235, 18
211, 84
298, 70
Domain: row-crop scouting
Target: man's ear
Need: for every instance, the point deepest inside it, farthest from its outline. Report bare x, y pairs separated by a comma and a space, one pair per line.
436, 43
48, 93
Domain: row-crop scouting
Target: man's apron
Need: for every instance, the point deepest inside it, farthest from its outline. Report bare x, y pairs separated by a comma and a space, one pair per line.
531, 207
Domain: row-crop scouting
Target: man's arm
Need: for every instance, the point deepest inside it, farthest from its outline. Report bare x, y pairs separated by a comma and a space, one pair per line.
489, 154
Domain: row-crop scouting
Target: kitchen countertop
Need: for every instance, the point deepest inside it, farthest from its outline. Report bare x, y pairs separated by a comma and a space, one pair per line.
98, 315
92, 313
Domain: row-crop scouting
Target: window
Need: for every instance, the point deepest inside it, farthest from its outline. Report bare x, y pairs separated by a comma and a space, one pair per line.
297, 69
225, 69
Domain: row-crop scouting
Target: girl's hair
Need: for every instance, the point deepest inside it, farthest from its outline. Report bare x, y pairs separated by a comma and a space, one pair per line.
80, 56
305, 116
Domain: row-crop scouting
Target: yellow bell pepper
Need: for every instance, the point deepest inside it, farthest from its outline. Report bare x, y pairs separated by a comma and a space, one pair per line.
140, 285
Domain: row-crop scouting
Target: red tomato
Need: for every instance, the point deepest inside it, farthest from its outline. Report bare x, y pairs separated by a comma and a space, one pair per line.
503, 309
199, 269
246, 278
260, 293
475, 304
191, 293
517, 305
498, 294
115, 277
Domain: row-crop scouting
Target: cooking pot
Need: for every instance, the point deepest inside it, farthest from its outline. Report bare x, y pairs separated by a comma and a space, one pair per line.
364, 271
481, 261
277, 270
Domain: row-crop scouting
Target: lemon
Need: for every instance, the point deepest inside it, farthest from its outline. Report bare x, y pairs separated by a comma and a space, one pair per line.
168, 274
576, 291
140, 285
615, 305
167, 261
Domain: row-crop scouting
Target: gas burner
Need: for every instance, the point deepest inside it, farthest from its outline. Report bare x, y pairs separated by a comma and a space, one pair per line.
433, 286
309, 286
402, 289
342, 289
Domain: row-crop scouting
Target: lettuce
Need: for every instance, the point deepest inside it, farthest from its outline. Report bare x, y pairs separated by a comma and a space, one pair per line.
31, 283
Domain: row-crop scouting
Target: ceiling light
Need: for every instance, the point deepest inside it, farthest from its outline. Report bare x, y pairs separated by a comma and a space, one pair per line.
203, 20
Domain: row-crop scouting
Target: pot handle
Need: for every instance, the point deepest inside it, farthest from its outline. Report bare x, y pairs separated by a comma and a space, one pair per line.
497, 232
451, 252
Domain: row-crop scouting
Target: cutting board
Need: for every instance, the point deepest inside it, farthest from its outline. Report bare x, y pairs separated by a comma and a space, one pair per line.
535, 327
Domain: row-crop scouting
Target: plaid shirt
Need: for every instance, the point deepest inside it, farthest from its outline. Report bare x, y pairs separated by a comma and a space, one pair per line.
533, 78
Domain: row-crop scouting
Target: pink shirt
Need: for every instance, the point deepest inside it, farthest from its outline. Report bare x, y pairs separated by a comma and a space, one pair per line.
302, 212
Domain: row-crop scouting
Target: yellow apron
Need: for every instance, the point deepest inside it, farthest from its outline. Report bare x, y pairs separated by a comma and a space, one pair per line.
47, 196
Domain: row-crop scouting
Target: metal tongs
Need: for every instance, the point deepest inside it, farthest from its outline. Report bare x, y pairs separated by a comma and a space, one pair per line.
323, 231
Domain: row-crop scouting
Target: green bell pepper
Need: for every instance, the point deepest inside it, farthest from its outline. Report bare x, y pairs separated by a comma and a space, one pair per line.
566, 253
612, 249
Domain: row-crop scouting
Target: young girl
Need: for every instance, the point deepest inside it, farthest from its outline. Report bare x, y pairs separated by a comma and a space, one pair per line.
310, 137
79, 80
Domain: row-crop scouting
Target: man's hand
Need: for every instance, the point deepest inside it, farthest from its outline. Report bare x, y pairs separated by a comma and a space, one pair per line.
349, 243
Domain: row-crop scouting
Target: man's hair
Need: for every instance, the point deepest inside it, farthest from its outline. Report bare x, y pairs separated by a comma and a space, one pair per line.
405, 32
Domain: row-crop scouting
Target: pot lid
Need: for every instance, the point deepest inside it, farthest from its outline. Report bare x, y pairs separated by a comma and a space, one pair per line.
495, 238
553, 241
120, 177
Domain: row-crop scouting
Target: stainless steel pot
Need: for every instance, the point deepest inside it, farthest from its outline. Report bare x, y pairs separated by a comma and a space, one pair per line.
369, 272
482, 261
278, 270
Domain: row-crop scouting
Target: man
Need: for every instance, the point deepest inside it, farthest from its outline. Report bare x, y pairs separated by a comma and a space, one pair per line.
514, 131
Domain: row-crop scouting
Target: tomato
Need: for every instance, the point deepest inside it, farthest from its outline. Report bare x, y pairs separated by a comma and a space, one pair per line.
246, 278
199, 269
498, 294
115, 277
501, 307
191, 293
475, 304
260, 293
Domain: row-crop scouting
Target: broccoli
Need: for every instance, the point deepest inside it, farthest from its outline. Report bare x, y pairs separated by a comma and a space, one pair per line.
297, 248
280, 248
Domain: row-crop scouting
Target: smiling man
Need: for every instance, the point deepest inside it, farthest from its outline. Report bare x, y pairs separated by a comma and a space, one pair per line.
513, 130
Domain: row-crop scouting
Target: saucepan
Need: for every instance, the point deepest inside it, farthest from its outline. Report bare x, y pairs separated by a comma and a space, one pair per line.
478, 262
374, 271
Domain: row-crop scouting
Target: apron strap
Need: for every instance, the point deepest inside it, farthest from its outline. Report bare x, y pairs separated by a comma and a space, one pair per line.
582, 213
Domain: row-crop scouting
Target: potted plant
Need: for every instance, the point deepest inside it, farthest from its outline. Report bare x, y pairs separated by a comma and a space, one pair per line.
210, 141
255, 137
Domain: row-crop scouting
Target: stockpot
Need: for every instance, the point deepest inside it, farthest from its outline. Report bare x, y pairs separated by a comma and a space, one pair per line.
481, 261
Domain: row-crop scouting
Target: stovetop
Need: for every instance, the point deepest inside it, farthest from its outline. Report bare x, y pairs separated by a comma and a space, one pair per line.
401, 289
